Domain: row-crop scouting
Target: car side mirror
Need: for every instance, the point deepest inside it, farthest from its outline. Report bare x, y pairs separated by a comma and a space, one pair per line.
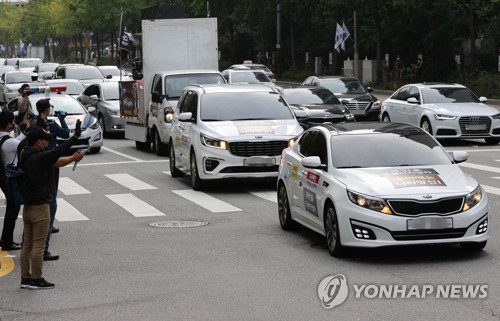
299, 114
412, 100
369, 89
186, 117
459, 156
483, 99
156, 97
344, 102
109, 76
84, 99
312, 162
91, 109
94, 98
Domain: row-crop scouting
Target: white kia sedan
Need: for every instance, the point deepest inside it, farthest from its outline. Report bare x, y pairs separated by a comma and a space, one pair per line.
373, 184
444, 110
230, 131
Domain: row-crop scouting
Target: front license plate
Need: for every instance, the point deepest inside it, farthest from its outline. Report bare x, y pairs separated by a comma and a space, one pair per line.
429, 223
475, 126
259, 161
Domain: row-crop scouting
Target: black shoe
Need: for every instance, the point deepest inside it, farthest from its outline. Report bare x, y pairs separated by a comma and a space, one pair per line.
25, 283
49, 257
12, 247
41, 284
54, 230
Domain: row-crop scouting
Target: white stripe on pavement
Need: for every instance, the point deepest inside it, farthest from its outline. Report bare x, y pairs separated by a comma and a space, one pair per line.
270, 196
68, 213
134, 205
206, 201
130, 182
121, 154
480, 167
168, 173
70, 187
491, 189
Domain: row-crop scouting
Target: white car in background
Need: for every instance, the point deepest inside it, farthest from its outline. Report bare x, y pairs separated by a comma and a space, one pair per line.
11, 82
444, 110
28, 64
374, 184
115, 73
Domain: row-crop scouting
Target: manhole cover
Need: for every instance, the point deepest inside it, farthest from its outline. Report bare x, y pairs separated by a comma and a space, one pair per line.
178, 224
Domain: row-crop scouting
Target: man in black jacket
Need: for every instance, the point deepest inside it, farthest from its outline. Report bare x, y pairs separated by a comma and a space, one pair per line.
38, 163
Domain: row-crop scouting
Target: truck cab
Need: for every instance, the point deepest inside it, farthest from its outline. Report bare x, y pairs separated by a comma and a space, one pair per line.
166, 89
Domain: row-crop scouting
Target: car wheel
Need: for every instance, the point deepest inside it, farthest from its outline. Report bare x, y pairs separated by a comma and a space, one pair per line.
386, 119
153, 140
492, 140
173, 170
103, 126
473, 246
196, 182
332, 232
161, 148
285, 216
95, 150
426, 125
4, 100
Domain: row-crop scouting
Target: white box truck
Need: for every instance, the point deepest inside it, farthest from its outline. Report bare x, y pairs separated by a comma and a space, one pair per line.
175, 53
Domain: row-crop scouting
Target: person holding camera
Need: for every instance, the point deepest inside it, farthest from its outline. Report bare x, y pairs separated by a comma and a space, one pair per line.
55, 130
25, 111
38, 162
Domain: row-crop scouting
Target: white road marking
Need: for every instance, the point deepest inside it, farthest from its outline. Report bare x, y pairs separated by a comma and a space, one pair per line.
70, 187
270, 196
123, 162
480, 167
121, 154
68, 213
471, 150
130, 182
206, 201
134, 205
168, 173
491, 189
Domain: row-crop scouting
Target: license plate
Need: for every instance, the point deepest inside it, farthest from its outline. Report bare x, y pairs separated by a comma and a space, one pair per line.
429, 223
259, 161
475, 126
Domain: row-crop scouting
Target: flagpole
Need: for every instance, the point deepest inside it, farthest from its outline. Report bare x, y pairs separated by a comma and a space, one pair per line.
356, 52
118, 43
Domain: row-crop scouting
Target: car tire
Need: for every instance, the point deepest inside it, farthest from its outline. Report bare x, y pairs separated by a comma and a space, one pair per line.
473, 246
492, 140
284, 213
153, 140
161, 148
174, 172
386, 118
105, 134
332, 232
196, 182
425, 124
141, 145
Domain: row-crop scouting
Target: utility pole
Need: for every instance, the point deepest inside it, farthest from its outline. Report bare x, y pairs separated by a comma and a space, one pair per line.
356, 70
278, 38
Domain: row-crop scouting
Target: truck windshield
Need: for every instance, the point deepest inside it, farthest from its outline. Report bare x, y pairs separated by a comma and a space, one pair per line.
174, 84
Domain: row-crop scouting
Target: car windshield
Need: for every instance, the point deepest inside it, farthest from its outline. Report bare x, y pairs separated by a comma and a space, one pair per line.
11, 62
28, 63
47, 67
448, 95
72, 88
84, 73
66, 103
310, 96
112, 71
346, 86
176, 83
110, 93
17, 77
250, 76
387, 150
243, 106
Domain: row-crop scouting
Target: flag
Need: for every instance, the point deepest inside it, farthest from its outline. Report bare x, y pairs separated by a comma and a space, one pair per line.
338, 37
345, 34
124, 38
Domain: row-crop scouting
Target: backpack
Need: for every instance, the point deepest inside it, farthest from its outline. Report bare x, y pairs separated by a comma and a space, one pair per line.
2, 165
17, 182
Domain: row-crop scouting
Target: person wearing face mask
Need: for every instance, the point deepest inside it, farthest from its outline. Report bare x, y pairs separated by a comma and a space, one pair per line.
25, 111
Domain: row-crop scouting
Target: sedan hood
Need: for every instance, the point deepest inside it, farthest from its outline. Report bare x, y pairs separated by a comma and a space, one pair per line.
365, 97
262, 129
464, 109
87, 121
398, 181
322, 109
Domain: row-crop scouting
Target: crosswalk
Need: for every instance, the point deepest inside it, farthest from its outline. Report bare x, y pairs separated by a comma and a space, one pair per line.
137, 207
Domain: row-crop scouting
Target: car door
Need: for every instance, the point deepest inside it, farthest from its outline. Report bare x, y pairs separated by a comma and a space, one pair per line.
414, 110
185, 128
398, 110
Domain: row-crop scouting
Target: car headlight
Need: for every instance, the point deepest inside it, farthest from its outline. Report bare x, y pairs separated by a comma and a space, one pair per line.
369, 202
472, 198
444, 117
292, 141
349, 117
213, 142
376, 105
114, 112
497, 116
95, 125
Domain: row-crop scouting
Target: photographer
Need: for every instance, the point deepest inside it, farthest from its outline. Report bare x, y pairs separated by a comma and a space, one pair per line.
25, 111
62, 131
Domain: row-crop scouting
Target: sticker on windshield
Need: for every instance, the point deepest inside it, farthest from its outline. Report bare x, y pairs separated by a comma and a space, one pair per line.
252, 127
412, 177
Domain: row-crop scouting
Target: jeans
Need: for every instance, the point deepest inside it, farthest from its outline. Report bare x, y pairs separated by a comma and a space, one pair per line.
36, 225
9, 223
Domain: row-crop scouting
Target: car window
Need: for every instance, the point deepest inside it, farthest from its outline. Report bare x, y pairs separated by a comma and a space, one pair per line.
70, 105
72, 88
403, 148
403, 94
313, 143
110, 93
244, 106
448, 95
84, 73
176, 83
305, 143
157, 85
17, 77
318, 96
46, 67
414, 93
185, 105
28, 63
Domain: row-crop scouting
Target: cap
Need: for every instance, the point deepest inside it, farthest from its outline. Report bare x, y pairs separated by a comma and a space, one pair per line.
36, 133
42, 104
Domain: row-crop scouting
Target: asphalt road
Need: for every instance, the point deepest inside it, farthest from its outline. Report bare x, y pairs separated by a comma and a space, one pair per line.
241, 266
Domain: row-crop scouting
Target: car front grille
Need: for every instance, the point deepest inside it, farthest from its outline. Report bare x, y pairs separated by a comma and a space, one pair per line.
319, 120
428, 234
247, 149
474, 121
416, 208
357, 105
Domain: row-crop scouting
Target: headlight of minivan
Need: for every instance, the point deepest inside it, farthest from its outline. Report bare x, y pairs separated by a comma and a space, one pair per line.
369, 202
213, 142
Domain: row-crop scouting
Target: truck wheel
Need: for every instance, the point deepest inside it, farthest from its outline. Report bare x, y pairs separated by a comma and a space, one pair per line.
196, 182
173, 170
161, 148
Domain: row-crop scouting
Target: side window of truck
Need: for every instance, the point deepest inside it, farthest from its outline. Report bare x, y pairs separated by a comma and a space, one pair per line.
157, 84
